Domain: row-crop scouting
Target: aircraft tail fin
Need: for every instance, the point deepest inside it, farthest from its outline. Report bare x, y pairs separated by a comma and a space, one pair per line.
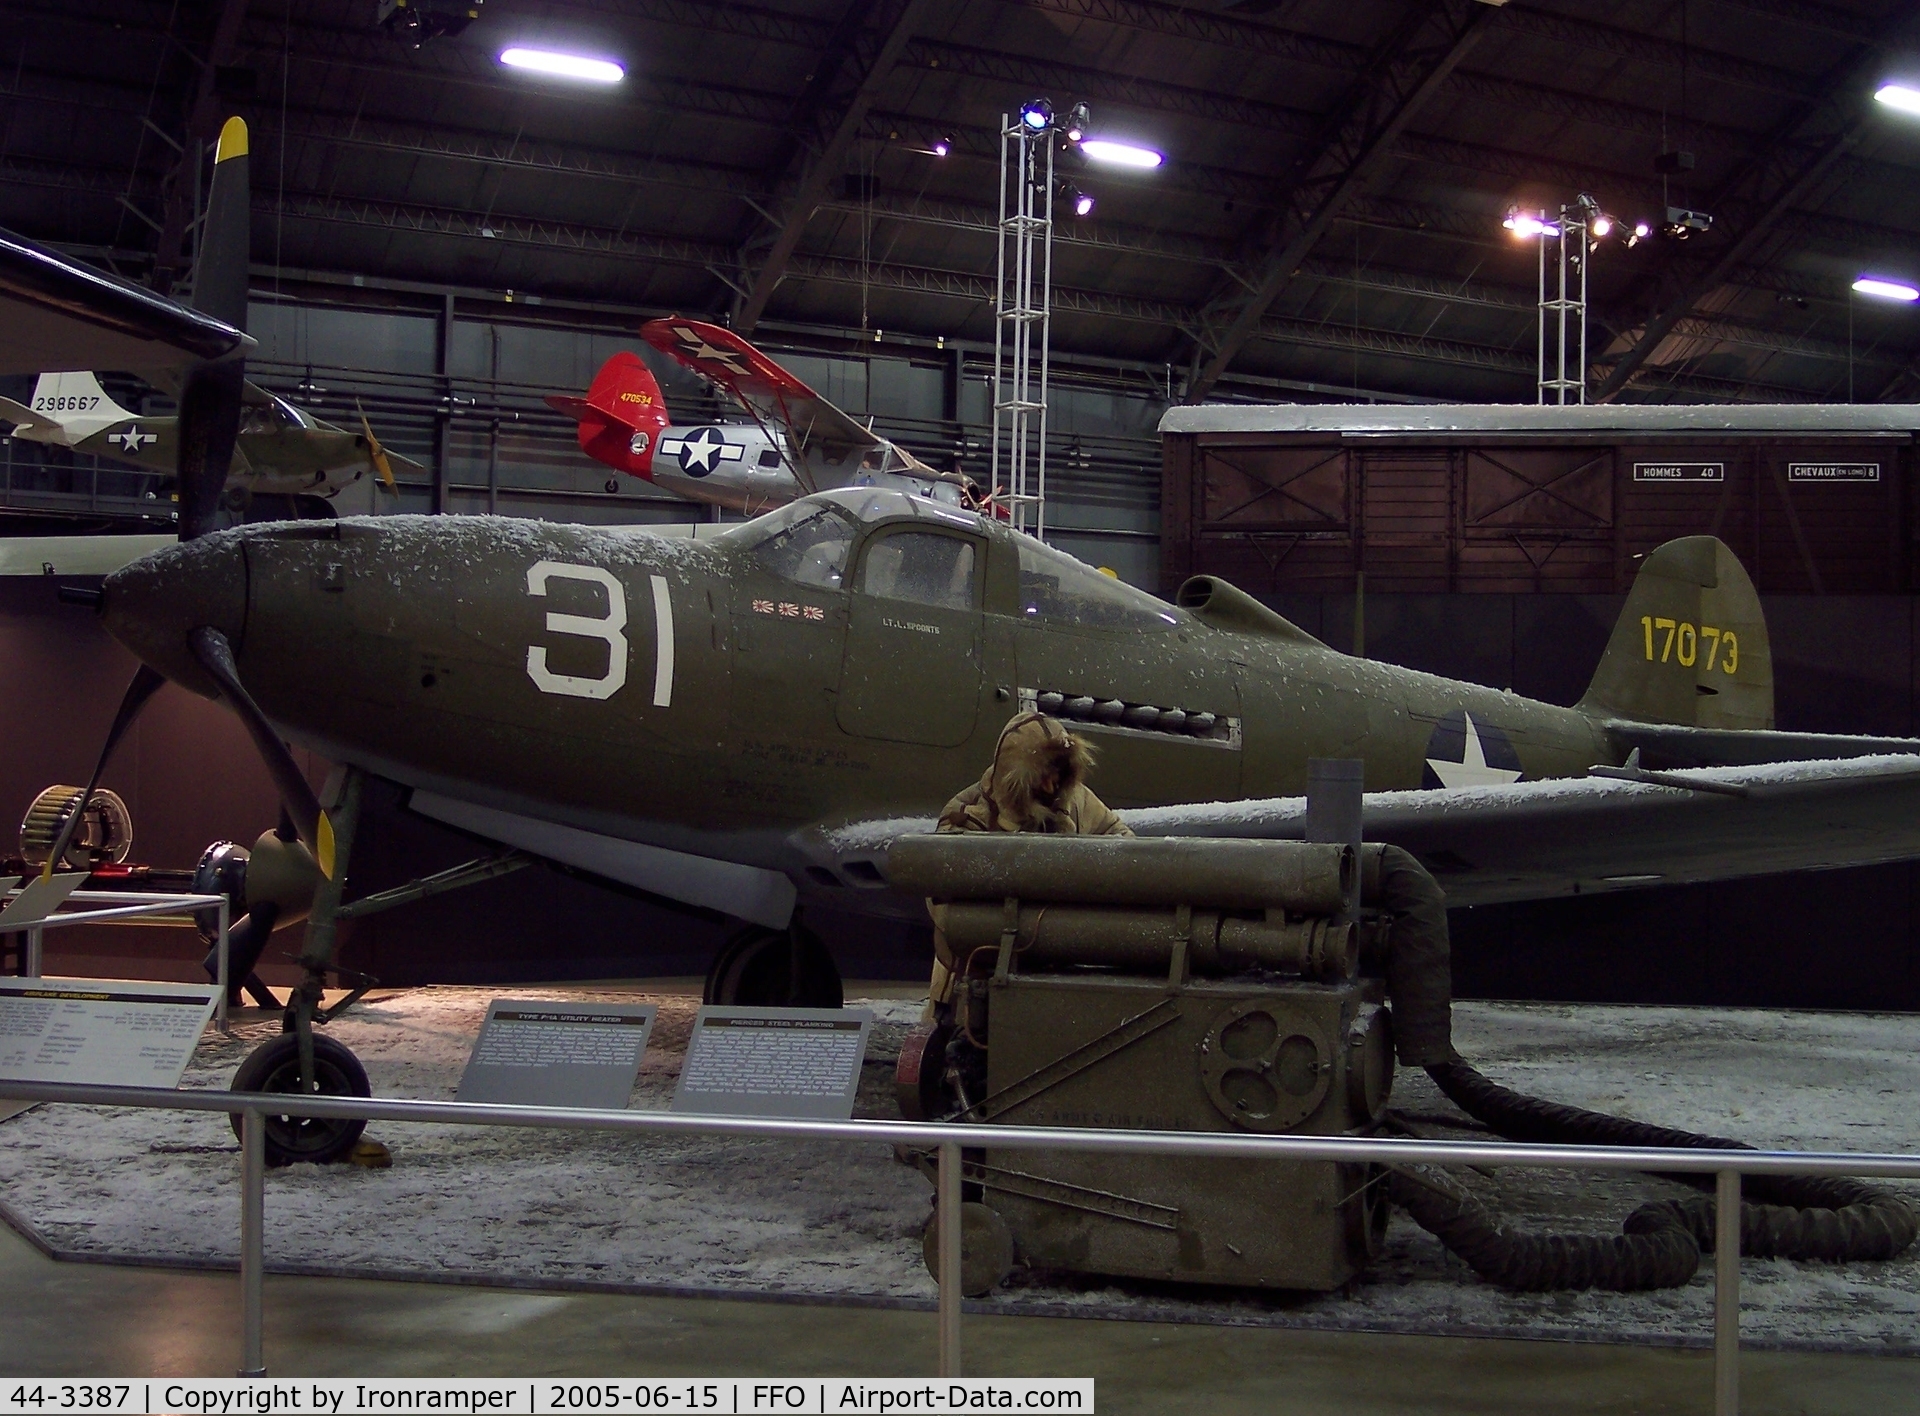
621, 417
76, 403
1690, 647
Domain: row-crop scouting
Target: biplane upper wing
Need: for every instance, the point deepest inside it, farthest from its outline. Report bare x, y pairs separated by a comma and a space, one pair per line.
768, 391
57, 314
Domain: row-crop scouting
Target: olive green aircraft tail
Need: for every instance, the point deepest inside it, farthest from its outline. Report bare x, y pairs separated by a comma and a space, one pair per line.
1690, 646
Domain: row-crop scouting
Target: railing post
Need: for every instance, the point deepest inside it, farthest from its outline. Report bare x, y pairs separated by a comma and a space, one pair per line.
1726, 1293
253, 1216
947, 1221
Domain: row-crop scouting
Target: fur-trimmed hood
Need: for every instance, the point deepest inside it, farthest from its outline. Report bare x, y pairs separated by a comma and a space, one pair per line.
1006, 798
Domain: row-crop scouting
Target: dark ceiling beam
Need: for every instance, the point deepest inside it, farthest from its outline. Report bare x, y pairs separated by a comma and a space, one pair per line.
1026, 76
1801, 151
1842, 24
415, 140
1409, 69
1248, 36
204, 117
1026, 73
824, 159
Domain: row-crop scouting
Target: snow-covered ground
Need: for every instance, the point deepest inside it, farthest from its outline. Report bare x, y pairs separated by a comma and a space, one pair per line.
843, 1221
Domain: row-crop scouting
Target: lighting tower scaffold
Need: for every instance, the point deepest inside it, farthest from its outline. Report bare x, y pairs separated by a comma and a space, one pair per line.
1023, 315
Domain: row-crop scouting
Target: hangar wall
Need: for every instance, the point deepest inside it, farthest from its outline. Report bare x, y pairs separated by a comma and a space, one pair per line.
1507, 565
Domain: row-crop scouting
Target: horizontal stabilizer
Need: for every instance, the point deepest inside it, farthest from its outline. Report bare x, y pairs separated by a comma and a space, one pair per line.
1666, 745
22, 416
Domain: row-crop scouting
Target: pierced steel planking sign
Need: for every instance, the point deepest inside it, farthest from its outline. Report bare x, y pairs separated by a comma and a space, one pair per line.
802, 1062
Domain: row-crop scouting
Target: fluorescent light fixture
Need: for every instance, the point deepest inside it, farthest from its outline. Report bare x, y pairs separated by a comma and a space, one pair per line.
1882, 289
565, 66
1119, 154
1901, 96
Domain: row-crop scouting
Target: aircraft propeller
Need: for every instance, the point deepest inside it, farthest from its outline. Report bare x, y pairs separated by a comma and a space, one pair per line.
376, 454
210, 409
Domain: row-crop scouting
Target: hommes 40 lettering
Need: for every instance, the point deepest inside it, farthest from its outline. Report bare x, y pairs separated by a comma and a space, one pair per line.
1682, 643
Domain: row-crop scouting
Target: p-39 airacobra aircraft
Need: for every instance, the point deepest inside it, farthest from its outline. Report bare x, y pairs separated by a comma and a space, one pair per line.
746, 723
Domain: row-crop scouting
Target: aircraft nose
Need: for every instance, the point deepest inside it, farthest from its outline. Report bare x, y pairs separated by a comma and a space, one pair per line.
152, 605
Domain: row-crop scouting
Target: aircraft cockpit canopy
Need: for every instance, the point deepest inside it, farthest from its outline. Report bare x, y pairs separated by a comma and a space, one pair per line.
1055, 586
809, 541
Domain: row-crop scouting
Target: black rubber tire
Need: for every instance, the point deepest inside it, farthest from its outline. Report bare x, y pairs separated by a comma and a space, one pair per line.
758, 968
275, 1067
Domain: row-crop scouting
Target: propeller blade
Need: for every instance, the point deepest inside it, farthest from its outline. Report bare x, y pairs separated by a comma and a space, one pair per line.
376, 454
210, 647
145, 681
210, 397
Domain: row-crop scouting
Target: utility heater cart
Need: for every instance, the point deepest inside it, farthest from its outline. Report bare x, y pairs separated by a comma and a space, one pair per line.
1173, 985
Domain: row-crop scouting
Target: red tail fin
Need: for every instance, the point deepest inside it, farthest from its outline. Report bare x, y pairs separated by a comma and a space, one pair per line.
621, 417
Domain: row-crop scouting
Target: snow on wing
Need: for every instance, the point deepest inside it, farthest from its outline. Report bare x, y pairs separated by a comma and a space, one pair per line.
1542, 840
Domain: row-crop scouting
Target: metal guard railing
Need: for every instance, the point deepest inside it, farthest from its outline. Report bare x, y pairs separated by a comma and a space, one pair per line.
1727, 1166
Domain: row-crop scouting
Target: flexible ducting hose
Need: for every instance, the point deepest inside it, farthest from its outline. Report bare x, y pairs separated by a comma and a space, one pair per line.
1782, 1217
1659, 1252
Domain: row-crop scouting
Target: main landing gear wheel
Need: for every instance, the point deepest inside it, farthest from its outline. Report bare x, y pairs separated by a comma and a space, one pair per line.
275, 1067
774, 968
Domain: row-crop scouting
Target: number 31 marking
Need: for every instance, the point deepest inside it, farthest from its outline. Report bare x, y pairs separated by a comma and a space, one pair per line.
609, 629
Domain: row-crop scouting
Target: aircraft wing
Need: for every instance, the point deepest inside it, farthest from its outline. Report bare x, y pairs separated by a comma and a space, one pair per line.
765, 389
56, 314
1571, 836
1582, 835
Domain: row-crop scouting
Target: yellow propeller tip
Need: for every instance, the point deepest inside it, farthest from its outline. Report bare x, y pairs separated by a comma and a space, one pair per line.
233, 140
323, 846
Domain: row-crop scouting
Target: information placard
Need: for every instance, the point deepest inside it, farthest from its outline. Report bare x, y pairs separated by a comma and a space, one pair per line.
101, 1032
535, 1052
1833, 471
802, 1062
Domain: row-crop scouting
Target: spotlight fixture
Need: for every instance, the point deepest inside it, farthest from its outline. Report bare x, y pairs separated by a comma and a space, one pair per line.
1883, 289
1601, 225
1036, 114
421, 20
1118, 154
1682, 223
1082, 201
1525, 225
941, 146
563, 66
1077, 122
1903, 97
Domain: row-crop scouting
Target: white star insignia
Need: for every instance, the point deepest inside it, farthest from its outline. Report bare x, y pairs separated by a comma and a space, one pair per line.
131, 439
698, 348
1473, 770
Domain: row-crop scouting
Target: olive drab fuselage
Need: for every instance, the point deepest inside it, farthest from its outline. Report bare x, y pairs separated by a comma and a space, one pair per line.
720, 695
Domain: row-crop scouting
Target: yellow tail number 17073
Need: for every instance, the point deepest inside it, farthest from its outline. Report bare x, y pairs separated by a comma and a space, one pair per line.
1682, 642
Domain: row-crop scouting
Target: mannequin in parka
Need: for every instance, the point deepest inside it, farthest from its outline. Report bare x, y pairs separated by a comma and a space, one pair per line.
1036, 782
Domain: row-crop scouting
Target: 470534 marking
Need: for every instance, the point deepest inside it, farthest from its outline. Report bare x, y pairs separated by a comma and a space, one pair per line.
1682, 643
